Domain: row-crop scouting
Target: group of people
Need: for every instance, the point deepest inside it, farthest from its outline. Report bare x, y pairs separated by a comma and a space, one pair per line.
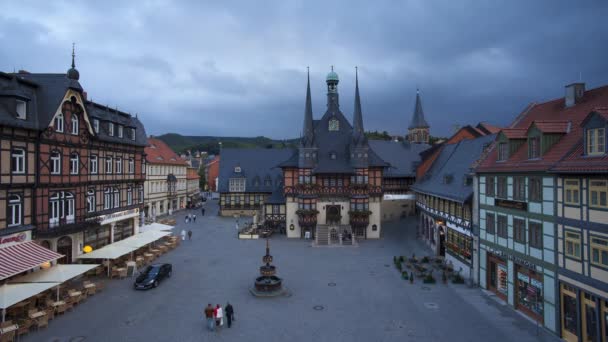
190, 218
215, 316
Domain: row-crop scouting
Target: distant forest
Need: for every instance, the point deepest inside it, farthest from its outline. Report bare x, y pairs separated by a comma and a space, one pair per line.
181, 143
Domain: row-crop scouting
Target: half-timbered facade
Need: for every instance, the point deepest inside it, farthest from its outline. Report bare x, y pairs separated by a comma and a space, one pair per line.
83, 163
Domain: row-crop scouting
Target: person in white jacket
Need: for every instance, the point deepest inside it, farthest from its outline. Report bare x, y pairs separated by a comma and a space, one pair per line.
183, 235
219, 316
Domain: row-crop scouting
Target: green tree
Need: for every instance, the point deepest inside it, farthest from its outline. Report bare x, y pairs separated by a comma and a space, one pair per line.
202, 181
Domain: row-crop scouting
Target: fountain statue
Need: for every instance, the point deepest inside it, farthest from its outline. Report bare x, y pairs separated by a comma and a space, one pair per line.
268, 284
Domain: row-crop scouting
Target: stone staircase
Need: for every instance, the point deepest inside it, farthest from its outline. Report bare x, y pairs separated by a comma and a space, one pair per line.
323, 236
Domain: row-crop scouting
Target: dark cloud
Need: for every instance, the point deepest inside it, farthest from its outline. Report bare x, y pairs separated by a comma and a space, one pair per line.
239, 68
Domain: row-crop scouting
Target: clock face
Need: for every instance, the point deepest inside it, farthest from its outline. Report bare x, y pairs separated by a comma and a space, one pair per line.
334, 125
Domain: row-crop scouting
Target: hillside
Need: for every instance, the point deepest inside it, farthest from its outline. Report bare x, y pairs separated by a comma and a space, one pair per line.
180, 143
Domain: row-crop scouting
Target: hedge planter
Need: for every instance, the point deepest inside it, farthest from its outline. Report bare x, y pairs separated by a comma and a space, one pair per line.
404, 275
429, 279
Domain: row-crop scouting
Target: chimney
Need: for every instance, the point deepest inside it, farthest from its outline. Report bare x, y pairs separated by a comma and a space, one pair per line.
574, 93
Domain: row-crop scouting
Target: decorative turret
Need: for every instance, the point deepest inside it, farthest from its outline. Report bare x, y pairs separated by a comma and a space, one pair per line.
308, 138
72, 73
332, 81
358, 131
418, 130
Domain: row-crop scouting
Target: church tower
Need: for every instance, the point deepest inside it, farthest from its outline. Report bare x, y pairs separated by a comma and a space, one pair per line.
418, 131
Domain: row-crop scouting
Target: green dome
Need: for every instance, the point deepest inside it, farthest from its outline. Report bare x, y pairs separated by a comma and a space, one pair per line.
332, 76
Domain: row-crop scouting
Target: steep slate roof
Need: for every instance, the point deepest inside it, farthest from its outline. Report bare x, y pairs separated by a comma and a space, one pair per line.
487, 128
106, 115
418, 120
402, 156
44, 93
157, 152
256, 164
455, 160
556, 111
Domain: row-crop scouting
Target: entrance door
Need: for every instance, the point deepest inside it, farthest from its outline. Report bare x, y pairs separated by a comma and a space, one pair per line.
569, 313
589, 319
441, 241
333, 214
64, 246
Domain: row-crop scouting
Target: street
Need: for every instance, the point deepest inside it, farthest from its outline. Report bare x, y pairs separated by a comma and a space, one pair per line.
337, 294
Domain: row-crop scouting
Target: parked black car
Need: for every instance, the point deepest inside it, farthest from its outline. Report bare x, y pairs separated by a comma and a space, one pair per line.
152, 275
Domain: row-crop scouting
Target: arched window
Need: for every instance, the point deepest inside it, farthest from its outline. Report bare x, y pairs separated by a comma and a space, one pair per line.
129, 195
59, 122
55, 163
107, 198
116, 193
61, 206
74, 163
91, 200
46, 244
14, 210
74, 124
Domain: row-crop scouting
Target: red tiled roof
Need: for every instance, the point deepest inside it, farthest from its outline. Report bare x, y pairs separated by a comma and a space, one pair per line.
546, 126
550, 111
191, 173
490, 128
157, 152
514, 133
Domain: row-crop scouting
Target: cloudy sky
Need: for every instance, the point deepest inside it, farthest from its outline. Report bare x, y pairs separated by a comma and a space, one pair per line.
239, 68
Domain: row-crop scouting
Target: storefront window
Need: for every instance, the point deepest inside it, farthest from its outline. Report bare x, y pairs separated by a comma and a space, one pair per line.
123, 230
97, 238
529, 292
569, 314
501, 284
459, 244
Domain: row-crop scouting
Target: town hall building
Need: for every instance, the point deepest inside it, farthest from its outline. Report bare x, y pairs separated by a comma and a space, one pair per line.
331, 187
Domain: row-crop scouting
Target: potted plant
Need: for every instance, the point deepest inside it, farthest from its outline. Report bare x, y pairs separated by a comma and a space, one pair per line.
404, 275
425, 259
428, 278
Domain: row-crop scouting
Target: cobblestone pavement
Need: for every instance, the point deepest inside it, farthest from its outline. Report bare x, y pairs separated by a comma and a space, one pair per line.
369, 302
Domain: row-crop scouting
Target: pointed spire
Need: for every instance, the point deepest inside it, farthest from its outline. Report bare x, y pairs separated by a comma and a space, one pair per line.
358, 131
418, 120
307, 130
73, 55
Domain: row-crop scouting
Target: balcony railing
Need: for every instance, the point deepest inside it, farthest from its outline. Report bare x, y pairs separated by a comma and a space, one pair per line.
307, 217
66, 226
359, 217
339, 191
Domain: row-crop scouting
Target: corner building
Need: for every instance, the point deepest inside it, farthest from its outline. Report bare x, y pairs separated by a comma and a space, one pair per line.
520, 234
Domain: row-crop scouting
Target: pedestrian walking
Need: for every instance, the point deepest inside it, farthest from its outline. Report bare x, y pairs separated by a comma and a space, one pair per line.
183, 235
186, 219
189, 235
203, 211
219, 316
194, 218
209, 315
229, 314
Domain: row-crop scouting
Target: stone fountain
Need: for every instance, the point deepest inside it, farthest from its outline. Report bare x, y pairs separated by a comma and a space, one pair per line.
268, 284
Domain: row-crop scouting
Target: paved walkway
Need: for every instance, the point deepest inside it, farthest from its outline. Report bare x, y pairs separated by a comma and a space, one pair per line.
369, 302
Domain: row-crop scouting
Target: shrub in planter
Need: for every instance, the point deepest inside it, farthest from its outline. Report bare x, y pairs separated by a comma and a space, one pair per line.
458, 279
404, 275
399, 267
429, 279
425, 259
401, 258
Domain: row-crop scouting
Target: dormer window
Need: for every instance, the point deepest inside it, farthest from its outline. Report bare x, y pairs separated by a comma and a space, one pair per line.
596, 141
447, 179
21, 110
96, 125
132, 133
59, 123
237, 169
503, 151
534, 148
110, 129
120, 131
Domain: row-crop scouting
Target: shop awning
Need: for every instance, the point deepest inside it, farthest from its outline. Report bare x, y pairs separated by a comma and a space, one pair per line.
11, 294
23, 257
108, 252
142, 239
156, 227
56, 274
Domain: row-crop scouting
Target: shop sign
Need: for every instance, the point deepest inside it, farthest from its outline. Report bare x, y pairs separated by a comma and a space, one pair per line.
511, 204
448, 217
511, 257
117, 216
15, 238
